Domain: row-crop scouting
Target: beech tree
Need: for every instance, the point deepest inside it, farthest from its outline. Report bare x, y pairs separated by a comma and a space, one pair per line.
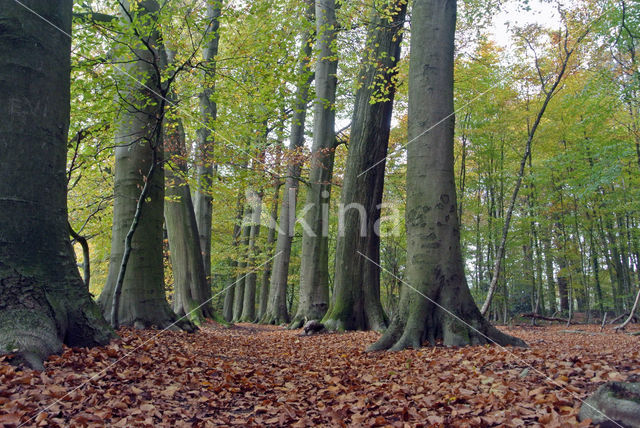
276, 311
356, 302
435, 301
139, 164
208, 113
43, 301
249, 299
314, 268
192, 292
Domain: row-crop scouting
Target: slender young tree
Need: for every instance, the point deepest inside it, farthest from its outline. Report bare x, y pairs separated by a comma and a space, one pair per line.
548, 89
314, 268
356, 302
43, 301
435, 300
205, 144
276, 311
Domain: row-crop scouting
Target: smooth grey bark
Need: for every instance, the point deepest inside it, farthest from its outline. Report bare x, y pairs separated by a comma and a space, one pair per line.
249, 301
192, 293
43, 300
276, 311
117, 290
229, 295
356, 292
314, 264
271, 239
241, 276
205, 145
435, 299
138, 138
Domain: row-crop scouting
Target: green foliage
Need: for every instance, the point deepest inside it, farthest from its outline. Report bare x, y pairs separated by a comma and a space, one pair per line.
579, 201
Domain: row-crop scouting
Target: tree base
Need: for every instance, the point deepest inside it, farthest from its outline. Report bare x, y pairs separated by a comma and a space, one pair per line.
171, 324
36, 318
443, 327
340, 321
274, 319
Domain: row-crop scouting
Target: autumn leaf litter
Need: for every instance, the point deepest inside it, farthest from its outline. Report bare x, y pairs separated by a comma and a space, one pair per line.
250, 375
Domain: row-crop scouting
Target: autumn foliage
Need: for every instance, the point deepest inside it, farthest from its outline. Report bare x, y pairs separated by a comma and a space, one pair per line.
250, 375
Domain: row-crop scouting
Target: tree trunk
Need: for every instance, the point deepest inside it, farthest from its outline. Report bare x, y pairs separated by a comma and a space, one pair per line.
86, 261
227, 309
563, 284
435, 302
276, 312
241, 276
192, 294
138, 135
549, 93
356, 293
314, 261
596, 268
271, 239
548, 263
43, 301
249, 302
208, 112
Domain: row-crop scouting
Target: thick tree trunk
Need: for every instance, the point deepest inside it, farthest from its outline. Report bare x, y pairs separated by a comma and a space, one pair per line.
314, 261
249, 302
356, 299
208, 112
276, 312
435, 301
138, 135
192, 294
43, 301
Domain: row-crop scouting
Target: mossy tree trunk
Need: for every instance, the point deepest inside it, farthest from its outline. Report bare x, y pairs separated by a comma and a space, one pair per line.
43, 301
276, 311
435, 301
314, 267
356, 302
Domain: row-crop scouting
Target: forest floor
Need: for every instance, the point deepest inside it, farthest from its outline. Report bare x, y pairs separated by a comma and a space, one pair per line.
249, 375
